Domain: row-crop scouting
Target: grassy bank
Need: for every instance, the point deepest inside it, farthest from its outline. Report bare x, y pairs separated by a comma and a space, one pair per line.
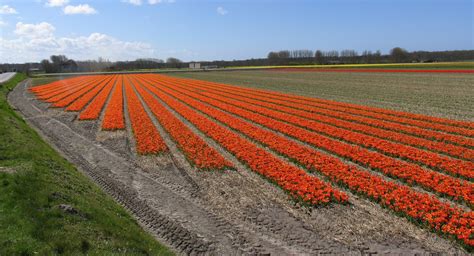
35, 185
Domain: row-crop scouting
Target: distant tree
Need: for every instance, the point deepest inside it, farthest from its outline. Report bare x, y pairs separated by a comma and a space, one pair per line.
319, 57
273, 56
331, 57
349, 56
59, 63
278, 58
378, 56
398, 55
58, 59
46, 65
69, 66
367, 57
149, 60
347, 53
334, 54
301, 54
284, 54
173, 62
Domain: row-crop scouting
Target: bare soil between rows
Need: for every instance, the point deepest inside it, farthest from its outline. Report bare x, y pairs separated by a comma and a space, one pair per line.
219, 213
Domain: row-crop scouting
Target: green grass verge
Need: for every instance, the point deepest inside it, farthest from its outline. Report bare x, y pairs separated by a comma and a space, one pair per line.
45, 80
35, 180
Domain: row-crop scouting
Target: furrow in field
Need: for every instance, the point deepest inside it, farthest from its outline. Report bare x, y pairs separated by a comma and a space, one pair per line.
435, 161
114, 116
458, 189
93, 110
148, 140
347, 107
196, 150
294, 180
415, 206
71, 98
81, 102
353, 123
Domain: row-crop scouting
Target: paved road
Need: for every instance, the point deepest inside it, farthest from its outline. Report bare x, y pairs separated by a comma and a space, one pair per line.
6, 76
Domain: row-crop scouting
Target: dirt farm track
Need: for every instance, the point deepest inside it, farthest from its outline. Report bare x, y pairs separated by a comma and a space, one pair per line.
228, 212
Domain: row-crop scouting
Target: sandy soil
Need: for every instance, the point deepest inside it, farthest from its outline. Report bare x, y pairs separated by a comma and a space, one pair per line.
219, 213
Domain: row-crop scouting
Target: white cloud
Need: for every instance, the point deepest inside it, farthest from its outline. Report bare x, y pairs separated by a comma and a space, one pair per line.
150, 2
79, 9
56, 3
35, 42
153, 2
134, 2
221, 11
3, 23
5, 9
40, 30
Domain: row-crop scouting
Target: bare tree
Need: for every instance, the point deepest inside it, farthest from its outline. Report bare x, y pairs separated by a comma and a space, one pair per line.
301, 54
284, 54
318, 56
378, 56
367, 57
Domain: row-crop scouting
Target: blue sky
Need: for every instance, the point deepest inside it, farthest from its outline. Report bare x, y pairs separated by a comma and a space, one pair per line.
234, 29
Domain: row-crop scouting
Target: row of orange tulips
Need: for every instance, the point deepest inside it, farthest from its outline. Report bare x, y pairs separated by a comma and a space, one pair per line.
84, 99
66, 101
416, 206
147, 137
446, 185
295, 181
369, 126
64, 92
196, 150
348, 107
93, 110
114, 113
59, 85
449, 165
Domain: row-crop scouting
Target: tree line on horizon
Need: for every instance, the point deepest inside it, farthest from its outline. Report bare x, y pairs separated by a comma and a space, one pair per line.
349, 56
62, 64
